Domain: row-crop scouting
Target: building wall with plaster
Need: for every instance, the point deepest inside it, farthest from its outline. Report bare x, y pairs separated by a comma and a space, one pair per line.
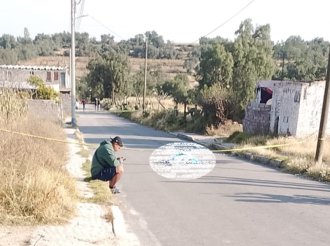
295, 109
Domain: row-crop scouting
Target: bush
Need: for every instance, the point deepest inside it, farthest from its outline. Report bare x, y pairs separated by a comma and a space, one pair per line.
43, 91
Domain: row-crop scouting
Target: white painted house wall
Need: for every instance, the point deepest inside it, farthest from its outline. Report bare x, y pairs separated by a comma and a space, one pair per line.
311, 103
298, 106
285, 107
16, 76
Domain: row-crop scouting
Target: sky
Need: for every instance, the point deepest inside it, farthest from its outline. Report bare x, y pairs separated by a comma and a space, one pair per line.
179, 21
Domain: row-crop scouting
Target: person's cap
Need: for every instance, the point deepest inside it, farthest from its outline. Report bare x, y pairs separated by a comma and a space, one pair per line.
118, 141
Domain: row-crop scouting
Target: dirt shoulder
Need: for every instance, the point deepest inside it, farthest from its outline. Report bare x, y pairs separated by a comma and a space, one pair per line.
15, 235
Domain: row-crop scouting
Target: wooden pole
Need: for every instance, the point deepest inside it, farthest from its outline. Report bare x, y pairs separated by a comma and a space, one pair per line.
324, 118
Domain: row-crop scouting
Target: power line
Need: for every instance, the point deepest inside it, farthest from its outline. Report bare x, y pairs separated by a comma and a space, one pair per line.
229, 19
99, 22
80, 13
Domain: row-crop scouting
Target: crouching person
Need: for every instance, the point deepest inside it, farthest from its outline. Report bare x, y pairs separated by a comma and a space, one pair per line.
105, 164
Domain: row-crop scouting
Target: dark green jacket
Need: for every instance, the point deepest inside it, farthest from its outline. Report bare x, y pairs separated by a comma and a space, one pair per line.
103, 157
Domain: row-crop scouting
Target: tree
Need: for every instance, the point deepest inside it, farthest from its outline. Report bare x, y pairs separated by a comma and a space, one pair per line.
8, 41
191, 63
26, 38
216, 104
108, 75
252, 53
82, 44
216, 65
154, 39
178, 88
181, 92
301, 60
118, 73
44, 45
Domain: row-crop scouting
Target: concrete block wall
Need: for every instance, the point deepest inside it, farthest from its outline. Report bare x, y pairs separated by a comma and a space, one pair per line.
257, 119
65, 99
45, 109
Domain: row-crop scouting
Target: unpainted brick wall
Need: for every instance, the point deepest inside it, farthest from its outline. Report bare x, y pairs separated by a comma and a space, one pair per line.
257, 119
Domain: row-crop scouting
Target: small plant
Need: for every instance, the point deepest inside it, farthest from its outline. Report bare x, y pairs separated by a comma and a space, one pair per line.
42, 91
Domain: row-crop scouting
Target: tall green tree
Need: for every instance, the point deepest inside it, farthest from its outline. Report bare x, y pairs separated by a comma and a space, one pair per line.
118, 73
182, 92
8, 41
44, 44
216, 65
108, 75
301, 60
252, 53
26, 39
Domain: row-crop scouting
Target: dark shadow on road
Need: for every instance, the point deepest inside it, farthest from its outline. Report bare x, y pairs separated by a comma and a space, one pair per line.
134, 144
218, 180
274, 198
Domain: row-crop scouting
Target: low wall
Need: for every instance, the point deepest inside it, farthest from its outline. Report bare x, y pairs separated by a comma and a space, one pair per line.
257, 119
65, 104
45, 109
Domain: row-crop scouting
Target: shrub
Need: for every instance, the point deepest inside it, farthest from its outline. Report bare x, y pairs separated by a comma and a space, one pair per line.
43, 91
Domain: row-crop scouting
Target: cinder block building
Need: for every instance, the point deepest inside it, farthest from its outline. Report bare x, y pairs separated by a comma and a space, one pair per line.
286, 108
16, 77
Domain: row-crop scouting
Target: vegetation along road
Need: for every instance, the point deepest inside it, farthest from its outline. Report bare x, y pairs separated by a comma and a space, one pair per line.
237, 203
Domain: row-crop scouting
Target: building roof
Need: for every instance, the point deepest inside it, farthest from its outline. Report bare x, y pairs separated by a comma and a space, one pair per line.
271, 83
24, 67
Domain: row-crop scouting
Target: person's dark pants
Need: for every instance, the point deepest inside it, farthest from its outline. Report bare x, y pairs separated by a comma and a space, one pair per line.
106, 174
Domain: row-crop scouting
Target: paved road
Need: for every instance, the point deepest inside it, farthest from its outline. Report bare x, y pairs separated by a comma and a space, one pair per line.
239, 203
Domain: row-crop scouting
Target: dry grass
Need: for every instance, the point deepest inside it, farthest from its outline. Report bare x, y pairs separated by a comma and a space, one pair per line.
224, 130
34, 185
298, 147
170, 67
297, 155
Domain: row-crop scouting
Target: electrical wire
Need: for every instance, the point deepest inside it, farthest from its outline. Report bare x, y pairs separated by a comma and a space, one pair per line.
80, 13
99, 22
229, 19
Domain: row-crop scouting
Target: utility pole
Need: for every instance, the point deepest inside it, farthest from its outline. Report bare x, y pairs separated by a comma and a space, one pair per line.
145, 76
324, 118
282, 65
73, 65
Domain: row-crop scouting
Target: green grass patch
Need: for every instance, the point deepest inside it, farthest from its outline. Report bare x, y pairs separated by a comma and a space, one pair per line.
100, 188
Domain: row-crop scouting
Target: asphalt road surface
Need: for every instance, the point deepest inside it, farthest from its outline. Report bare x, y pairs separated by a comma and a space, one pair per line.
238, 203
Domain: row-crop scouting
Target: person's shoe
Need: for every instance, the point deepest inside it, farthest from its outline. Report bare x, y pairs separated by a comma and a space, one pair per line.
115, 190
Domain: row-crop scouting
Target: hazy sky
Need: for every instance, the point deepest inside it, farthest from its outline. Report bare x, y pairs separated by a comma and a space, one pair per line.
176, 20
